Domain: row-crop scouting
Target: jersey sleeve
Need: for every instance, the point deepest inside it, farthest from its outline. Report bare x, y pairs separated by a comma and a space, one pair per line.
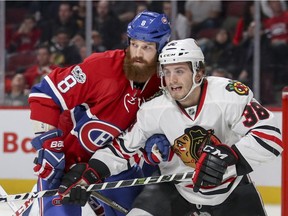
126, 150
66, 88
61, 90
260, 136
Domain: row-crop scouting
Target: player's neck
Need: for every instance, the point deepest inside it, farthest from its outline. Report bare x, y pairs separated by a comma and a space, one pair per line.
192, 99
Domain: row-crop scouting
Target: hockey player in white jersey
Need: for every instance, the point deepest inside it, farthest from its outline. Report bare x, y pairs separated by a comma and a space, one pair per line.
213, 126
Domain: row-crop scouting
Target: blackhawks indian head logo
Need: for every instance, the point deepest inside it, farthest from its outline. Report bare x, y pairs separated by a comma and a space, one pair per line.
189, 146
237, 87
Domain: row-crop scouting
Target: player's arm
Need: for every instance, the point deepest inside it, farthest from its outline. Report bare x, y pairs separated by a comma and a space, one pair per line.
261, 136
62, 89
114, 158
260, 142
105, 162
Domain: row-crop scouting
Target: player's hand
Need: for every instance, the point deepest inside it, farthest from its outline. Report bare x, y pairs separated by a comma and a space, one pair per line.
50, 162
212, 165
72, 188
157, 148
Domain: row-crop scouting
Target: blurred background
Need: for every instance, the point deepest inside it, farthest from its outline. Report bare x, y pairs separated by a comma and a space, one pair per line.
242, 40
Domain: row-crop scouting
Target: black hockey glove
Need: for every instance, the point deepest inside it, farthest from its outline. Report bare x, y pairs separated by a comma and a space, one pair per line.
212, 165
72, 188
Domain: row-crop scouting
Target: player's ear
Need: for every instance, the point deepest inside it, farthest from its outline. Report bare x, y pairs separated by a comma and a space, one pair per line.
199, 75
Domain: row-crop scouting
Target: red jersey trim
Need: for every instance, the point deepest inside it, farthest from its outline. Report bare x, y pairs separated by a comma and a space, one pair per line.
268, 137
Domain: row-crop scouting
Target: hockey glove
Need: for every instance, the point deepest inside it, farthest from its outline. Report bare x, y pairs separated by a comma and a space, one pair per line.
50, 162
72, 188
212, 165
157, 148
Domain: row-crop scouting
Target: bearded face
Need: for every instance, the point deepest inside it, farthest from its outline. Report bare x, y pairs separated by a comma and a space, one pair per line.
138, 69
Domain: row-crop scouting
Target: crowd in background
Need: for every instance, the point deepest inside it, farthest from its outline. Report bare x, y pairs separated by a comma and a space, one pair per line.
42, 35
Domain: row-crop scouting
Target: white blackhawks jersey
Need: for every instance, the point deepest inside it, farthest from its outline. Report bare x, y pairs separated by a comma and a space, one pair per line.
227, 113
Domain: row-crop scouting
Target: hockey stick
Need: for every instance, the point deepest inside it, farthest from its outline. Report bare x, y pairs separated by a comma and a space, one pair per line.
12, 205
106, 200
103, 186
24, 207
110, 202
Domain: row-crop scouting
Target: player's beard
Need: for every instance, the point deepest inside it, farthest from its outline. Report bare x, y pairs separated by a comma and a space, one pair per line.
136, 73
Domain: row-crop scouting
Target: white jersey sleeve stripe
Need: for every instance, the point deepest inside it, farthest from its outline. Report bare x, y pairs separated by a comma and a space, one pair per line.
56, 92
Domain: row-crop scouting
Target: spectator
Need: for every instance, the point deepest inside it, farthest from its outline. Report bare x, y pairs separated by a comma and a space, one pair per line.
125, 11
246, 63
203, 14
97, 45
124, 42
27, 36
244, 22
78, 40
35, 73
277, 28
268, 11
43, 11
107, 24
17, 96
181, 24
83, 52
220, 52
277, 25
63, 52
220, 72
79, 11
141, 6
64, 19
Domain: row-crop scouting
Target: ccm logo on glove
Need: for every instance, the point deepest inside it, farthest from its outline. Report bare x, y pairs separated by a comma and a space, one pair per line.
212, 165
213, 151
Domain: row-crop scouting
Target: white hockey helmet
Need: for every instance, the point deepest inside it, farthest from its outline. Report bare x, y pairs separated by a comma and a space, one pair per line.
185, 50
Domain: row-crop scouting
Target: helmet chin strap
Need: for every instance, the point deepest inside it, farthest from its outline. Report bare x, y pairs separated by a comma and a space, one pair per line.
192, 88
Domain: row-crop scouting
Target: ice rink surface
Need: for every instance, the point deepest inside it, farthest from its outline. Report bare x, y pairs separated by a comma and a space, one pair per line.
5, 210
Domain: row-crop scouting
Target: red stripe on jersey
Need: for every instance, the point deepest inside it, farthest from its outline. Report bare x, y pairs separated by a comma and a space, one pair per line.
145, 156
118, 147
268, 137
202, 98
136, 158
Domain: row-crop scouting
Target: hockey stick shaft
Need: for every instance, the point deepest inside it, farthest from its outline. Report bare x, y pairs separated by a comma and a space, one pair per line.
104, 186
12, 205
106, 200
113, 204
24, 207
110, 202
